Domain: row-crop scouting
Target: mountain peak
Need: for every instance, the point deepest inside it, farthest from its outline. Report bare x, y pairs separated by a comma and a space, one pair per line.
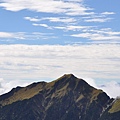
68, 75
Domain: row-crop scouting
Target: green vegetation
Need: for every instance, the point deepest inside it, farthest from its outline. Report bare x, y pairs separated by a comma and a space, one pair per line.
24, 93
115, 106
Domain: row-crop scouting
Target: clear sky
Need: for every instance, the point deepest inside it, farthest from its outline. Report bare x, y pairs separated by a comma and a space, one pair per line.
42, 40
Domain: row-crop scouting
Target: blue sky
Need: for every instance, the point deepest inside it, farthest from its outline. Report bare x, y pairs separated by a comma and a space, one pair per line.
42, 40
58, 22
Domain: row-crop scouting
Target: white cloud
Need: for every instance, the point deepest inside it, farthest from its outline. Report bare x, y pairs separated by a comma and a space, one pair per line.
60, 19
31, 19
98, 20
64, 20
101, 34
77, 28
48, 6
5, 35
52, 19
42, 25
73, 28
108, 13
68, 26
26, 36
17, 35
99, 17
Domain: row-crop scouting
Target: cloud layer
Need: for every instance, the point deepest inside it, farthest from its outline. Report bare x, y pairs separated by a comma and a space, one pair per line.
35, 62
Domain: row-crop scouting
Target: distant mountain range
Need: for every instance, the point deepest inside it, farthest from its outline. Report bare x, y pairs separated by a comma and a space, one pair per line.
67, 98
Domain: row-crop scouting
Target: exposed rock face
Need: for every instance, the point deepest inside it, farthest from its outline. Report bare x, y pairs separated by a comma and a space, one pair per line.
67, 98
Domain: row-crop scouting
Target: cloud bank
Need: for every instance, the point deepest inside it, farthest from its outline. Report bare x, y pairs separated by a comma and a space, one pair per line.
36, 62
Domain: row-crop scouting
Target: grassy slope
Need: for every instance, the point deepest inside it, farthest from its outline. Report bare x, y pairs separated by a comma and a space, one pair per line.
115, 106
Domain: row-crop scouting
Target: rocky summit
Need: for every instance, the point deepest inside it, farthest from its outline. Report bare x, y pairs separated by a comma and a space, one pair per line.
67, 98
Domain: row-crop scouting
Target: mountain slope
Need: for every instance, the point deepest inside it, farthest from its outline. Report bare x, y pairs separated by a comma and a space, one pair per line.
112, 112
67, 98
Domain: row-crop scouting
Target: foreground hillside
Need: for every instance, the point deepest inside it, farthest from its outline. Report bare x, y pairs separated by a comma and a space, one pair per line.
67, 98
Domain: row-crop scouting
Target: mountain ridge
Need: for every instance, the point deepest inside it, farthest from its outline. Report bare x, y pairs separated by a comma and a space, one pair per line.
66, 98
